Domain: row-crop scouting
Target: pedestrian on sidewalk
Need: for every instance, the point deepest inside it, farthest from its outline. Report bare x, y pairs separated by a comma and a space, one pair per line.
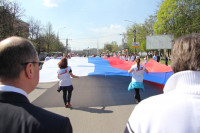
166, 60
145, 59
65, 83
155, 56
137, 71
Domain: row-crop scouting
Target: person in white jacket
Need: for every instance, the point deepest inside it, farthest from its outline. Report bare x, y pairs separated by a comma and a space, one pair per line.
177, 110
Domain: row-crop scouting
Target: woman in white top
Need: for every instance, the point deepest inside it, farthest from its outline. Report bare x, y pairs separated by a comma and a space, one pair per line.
132, 58
65, 83
145, 59
137, 71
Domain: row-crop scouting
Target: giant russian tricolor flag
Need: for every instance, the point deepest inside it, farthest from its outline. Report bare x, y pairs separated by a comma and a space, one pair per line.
82, 66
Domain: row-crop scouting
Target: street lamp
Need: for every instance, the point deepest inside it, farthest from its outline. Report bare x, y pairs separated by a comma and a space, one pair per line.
134, 31
88, 51
58, 36
67, 42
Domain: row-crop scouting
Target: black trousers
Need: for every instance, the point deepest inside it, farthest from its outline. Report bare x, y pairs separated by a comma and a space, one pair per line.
137, 94
67, 93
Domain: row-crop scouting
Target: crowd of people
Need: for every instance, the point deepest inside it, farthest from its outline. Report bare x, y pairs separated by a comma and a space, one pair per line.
174, 111
132, 57
57, 57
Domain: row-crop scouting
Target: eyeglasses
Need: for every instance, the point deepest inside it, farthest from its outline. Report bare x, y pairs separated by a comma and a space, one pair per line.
34, 62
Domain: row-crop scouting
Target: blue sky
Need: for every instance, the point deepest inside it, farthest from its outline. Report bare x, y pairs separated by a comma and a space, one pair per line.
89, 23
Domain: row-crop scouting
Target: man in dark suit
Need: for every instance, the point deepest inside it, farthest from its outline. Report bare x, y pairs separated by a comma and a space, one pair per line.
19, 75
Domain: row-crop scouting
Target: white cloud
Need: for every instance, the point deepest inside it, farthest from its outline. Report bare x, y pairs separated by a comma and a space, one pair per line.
97, 37
99, 29
111, 29
108, 34
50, 3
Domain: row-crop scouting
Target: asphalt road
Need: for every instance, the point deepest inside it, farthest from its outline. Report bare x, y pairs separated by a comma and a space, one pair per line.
100, 104
95, 91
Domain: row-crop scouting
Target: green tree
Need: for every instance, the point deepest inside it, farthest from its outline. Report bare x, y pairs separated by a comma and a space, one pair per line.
107, 47
45, 39
35, 31
10, 23
136, 33
146, 29
130, 34
178, 17
114, 46
111, 47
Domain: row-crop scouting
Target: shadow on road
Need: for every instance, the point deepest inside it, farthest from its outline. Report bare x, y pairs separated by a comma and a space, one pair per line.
92, 110
96, 91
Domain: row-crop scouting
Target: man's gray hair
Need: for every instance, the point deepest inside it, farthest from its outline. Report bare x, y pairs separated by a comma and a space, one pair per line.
186, 53
14, 52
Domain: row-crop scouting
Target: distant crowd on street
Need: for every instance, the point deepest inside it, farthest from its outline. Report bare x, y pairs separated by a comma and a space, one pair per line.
132, 57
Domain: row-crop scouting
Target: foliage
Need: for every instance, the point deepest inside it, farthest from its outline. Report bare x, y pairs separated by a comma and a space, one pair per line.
44, 39
111, 47
178, 17
10, 23
138, 33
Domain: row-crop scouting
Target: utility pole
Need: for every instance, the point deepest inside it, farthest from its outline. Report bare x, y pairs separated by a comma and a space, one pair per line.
88, 51
57, 42
124, 36
123, 43
97, 48
67, 46
134, 31
48, 43
67, 43
61, 28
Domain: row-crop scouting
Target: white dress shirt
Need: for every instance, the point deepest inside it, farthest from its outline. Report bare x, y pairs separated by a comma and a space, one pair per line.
13, 89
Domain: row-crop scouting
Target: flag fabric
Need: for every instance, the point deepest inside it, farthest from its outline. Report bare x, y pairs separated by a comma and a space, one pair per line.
79, 65
83, 66
158, 73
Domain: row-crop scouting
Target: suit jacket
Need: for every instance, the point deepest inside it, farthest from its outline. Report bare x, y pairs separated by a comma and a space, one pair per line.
18, 115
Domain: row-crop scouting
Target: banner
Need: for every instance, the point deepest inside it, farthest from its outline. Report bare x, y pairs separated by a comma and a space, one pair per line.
136, 44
